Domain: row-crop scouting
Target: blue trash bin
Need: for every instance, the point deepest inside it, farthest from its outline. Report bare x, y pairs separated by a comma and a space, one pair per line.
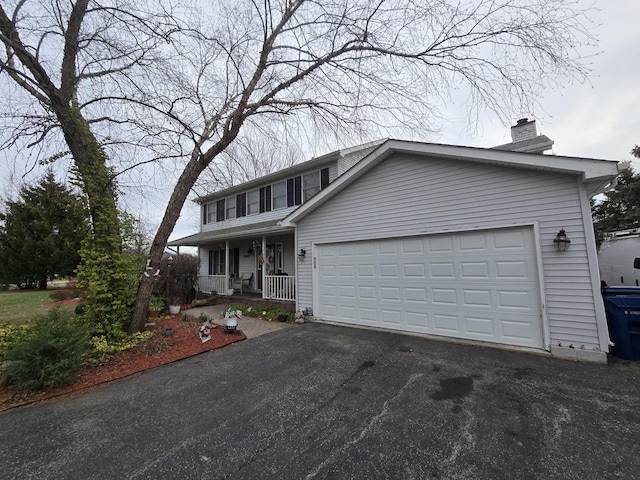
623, 318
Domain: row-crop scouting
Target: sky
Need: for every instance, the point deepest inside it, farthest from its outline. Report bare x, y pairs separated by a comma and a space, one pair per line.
598, 119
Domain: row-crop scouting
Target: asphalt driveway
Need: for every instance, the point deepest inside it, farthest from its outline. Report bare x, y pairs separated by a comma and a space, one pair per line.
327, 402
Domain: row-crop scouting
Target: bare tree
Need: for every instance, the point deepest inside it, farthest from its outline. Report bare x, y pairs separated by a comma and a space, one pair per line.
247, 158
345, 63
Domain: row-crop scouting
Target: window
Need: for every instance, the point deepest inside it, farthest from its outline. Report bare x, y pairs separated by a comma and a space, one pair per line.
253, 202
636, 263
208, 213
217, 262
279, 191
231, 207
311, 185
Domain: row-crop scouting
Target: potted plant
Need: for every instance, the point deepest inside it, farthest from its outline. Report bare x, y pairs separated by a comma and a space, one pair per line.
175, 299
156, 304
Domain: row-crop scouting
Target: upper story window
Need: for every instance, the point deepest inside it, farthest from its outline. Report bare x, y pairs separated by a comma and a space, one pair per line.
287, 193
279, 191
311, 184
231, 207
208, 212
253, 202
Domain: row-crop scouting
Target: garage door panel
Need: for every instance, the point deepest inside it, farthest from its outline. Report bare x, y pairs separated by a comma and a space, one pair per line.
480, 326
473, 242
442, 270
474, 270
418, 320
447, 324
476, 285
415, 295
476, 298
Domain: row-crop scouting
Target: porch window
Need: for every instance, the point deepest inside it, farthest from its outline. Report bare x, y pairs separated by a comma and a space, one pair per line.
253, 202
279, 191
216, 262
231, 207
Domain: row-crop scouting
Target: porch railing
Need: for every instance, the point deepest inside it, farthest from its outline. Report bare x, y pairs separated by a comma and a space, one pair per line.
280, 287
213, 283
276, 287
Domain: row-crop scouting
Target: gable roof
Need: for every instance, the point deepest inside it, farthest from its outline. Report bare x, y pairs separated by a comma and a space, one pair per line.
298, 168
597, 175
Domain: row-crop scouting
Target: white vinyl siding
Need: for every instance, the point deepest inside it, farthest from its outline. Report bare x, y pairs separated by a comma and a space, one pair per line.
407, 195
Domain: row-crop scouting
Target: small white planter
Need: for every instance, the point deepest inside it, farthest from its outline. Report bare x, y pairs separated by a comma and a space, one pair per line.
174, 309
230, 292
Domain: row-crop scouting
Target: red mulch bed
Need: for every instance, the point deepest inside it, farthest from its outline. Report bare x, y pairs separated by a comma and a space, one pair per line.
159, 350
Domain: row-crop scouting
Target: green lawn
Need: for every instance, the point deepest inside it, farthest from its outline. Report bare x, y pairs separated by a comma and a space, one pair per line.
20, 306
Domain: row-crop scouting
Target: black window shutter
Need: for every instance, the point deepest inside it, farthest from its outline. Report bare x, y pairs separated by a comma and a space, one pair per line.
290, 192
211, 272
267, 198
262, 204
241, 205
298, 190
324, 178
205, 207
220, 209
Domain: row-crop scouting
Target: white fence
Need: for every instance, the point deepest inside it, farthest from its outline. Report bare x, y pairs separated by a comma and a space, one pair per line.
279, 287
276, 287
213, 283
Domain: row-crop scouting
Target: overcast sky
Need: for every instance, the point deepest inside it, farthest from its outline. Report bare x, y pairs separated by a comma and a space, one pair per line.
596, 120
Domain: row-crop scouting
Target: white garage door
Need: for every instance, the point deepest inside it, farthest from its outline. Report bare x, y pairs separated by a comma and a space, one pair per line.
476, 285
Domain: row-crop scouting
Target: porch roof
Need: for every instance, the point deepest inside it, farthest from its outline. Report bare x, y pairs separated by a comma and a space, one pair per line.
202, 238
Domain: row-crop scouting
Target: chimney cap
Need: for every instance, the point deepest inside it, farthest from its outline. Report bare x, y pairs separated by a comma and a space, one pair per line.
522, 121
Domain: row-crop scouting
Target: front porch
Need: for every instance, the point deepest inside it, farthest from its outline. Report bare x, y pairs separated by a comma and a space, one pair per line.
274, 287
264, 266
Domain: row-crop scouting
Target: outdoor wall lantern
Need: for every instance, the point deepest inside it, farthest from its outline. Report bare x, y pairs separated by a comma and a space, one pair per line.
302, 254
561, 242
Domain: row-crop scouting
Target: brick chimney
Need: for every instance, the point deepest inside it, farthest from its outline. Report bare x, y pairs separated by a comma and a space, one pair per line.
524, 129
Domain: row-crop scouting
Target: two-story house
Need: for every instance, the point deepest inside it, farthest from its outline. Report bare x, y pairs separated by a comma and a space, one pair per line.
428, 239
242, 241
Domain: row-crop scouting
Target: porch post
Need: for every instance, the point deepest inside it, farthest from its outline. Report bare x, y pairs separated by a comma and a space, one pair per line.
226, 266
264, 262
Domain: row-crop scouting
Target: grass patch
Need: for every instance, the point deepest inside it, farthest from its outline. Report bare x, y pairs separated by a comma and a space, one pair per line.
21, 306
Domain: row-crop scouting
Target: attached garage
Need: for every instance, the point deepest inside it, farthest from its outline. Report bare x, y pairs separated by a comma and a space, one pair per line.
480, 285
458, 242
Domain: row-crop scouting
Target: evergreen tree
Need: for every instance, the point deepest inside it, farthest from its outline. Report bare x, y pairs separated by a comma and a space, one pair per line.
620, 209
41, 233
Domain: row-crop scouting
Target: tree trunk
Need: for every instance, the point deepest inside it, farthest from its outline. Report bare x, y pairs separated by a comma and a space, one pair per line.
96, 178
188, 177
